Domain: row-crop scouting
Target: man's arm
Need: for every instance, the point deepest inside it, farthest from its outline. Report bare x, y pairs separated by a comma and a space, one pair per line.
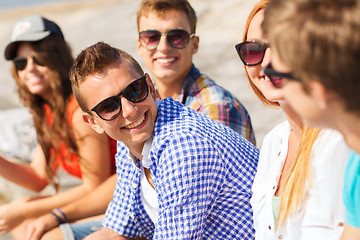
108, 234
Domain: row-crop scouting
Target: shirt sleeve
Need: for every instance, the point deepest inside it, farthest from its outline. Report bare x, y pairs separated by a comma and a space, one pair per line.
323, 211
119, 215
351, 193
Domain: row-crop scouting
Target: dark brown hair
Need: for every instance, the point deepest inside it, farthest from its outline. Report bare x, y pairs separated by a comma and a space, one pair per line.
55, 53
319, 40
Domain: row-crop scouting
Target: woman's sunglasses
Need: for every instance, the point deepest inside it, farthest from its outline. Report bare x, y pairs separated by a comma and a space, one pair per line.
21, 63
278, 79
251, 53
177, 38
110, 108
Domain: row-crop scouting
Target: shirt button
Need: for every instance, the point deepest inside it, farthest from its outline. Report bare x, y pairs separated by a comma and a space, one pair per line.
134, 185
280, 236
269, 227
279, 154
341, 224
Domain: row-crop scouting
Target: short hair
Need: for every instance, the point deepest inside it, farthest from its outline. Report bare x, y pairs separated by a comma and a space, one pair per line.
163, 7
95, 59
319, 40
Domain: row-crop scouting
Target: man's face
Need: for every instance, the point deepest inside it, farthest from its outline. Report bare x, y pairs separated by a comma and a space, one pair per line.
135, 123
166, 63
311, 105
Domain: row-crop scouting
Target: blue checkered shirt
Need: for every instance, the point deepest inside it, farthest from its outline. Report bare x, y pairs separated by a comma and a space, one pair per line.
202, 171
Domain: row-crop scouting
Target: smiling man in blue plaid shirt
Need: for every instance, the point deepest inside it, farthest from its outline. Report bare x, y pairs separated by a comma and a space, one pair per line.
181, 175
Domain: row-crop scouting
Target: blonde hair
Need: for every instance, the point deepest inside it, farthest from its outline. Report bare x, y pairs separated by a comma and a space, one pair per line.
293, 193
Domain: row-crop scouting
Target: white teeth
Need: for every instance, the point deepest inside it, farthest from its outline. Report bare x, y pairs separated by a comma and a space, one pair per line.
33, 79
135, 124
266, 78
165, 60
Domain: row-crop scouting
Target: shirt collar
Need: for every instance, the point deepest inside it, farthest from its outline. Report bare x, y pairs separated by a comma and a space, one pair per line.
191, 78
147, 146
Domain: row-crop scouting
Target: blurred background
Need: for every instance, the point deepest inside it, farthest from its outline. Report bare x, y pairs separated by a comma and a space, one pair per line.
220, 27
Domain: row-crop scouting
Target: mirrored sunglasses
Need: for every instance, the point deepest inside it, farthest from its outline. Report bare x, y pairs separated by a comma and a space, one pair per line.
21, 63
278, 79
110, 108
177, 38
251, 53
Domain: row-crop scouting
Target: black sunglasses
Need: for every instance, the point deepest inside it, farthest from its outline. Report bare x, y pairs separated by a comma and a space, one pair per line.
251, 53
177, 38
110, 108
278, 78
21, 63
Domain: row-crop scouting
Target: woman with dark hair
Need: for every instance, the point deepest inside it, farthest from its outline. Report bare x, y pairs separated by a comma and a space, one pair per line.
41, 63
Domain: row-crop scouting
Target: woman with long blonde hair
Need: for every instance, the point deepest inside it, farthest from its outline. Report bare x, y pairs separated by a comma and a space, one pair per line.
297, 190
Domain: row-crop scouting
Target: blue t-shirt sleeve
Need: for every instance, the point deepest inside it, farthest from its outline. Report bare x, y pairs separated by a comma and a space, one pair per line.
351, 192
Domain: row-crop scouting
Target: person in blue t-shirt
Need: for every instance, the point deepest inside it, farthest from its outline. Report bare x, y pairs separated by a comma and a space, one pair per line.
315, 59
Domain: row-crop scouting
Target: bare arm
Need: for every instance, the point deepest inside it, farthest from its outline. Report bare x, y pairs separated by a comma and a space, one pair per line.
95, 167
31, 176
350, 233
107, 234
96, 202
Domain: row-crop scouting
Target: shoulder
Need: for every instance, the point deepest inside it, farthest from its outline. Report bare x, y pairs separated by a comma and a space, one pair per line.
204, 86
330, 149
180, 125
277, 135
122, 152
80, 128
351, 194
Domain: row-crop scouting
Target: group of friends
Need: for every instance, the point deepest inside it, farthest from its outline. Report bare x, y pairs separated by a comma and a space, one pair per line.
170, 154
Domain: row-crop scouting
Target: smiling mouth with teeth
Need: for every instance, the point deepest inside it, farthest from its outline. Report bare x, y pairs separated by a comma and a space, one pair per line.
165, 60
135, 124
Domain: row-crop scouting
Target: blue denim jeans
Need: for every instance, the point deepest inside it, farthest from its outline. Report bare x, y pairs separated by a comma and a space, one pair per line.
78, 231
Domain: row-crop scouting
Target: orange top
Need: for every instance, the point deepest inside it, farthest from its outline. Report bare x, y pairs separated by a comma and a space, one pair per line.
70, 163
